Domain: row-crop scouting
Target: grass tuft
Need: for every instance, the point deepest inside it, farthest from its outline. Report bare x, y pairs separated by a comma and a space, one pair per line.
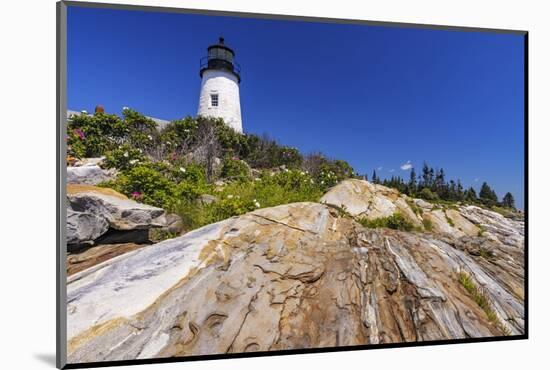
482, 300
395, 221
428, 225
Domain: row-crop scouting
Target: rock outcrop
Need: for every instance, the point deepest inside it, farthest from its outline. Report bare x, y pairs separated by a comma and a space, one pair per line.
93, 212
301, 275
362, 199
88, 174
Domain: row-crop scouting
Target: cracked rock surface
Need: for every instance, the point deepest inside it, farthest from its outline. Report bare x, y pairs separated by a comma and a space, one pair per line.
300, 275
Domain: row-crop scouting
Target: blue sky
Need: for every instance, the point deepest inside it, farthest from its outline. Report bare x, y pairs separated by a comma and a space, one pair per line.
376, 97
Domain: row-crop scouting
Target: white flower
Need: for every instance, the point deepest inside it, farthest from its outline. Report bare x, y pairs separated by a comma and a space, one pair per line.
139, 150
286, 169
230, 196
126, 154
182, 169
125, 108
84, 111
311, 180
257, 179
256, 203
322, 181
168, 143
186, 130
149, 137
302, 173
134, 161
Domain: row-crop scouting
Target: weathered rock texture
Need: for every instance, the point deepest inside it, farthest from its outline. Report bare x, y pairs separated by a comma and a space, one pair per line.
92, 211
92, 256
296, 276
90, 174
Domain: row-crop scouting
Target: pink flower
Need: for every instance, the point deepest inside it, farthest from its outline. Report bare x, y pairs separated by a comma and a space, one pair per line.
136, 195
235, 158
79, 133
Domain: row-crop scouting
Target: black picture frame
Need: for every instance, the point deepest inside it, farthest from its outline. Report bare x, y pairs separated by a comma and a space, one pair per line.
61, 175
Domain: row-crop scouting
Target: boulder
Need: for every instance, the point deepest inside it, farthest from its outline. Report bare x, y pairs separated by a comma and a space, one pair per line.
84, 227
303, 273
362, 199
174, 224
102, 215
89, 162
120, 212
423, 204
89, 174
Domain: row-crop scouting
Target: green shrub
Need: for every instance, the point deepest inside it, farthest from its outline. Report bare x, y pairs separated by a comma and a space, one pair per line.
427, 194
145, 184
235, 169
395, 221
124, 157
238, 197
179, 133
289, 157
142, 131
94, 135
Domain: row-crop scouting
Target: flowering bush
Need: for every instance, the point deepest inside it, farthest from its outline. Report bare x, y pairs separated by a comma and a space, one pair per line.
152, 187
331, 173
93, 135
141, 131
124, 157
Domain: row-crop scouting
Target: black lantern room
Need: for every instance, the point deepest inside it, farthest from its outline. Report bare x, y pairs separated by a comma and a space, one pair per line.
220, 57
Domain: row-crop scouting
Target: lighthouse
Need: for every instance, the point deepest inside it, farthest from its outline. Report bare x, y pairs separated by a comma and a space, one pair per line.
221, 77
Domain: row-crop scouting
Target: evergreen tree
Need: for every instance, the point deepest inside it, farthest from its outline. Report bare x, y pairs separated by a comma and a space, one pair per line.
470, 195
412, 182
508, 201
425, 175
459, 191
452, 193
487, 195
439, 186
375, 178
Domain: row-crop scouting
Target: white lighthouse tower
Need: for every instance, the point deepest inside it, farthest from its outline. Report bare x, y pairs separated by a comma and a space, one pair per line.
220, 86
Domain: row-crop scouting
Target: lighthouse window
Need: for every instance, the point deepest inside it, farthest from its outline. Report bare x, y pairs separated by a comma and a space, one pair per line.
214, 100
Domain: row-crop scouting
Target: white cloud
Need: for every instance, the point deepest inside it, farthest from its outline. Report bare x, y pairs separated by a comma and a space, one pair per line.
476, 179
380, 168
406, 166
392, 170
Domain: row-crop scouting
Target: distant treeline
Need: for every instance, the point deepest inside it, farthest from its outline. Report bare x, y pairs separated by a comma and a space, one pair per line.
432, 185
